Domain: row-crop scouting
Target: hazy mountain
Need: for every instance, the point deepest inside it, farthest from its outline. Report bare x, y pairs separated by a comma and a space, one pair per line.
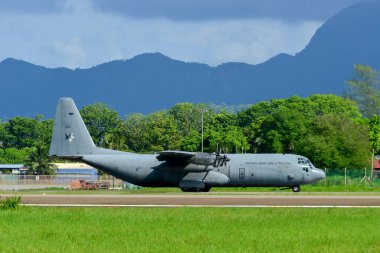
149, 82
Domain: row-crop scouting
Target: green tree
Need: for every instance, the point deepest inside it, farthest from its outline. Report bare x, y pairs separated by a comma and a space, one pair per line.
374, 133
192, 141
3, 135
233, 140
39, 162
136, 132
14, 156
188, 116
44, 130
336, 141
116, 138
278, 125
163, 132
100, 119
280, 131
364, 88
223, 134
222, 119
310, 107
21, 132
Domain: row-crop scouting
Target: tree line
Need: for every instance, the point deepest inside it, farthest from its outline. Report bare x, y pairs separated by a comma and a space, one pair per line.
333, 131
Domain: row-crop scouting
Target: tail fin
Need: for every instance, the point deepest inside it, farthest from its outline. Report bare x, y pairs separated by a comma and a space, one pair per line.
70, 135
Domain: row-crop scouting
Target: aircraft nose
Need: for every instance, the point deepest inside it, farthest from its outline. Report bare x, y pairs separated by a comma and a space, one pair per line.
318, 174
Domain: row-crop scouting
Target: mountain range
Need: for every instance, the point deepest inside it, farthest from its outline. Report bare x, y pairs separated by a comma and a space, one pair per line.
153, 81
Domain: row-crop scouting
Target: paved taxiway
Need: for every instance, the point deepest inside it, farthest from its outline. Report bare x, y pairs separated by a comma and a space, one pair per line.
202, 200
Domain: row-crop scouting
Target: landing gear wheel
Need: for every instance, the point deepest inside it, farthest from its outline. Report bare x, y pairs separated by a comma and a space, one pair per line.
206, 189
191, 189
296, 188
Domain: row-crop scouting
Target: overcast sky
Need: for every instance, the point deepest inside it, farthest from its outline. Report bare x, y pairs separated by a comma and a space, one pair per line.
84, 33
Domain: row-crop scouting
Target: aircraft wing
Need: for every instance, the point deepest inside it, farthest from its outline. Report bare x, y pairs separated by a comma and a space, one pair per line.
205, 159
174, 156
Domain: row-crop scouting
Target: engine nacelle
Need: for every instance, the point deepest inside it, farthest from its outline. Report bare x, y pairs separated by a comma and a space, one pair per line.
197, 168
216, 179
206, 159
203, 159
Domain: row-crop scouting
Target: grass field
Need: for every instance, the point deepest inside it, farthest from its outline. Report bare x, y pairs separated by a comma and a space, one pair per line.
33, 229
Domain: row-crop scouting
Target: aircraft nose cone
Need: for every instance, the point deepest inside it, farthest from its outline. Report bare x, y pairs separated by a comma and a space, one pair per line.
323, 174
319, 174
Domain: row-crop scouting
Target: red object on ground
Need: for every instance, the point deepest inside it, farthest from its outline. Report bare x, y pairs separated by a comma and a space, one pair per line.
85, 185
376, 164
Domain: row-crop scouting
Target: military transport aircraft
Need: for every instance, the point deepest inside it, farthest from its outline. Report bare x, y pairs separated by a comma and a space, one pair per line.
188, 170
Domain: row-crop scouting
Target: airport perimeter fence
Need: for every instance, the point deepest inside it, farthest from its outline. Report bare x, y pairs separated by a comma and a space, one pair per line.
339, 179
56, 180
351, 178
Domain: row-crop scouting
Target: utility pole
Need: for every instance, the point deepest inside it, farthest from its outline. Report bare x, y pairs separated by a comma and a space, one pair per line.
202, 111
345, 179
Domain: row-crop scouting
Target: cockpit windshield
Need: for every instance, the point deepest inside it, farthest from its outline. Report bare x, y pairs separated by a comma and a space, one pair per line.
303, 160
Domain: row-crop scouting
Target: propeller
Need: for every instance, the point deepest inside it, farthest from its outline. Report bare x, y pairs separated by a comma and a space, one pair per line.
221, 159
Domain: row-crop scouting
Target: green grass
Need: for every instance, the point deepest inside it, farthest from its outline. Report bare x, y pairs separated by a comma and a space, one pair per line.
189, 230
11, 202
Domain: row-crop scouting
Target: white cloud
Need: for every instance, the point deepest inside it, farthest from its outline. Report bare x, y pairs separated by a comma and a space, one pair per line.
72, 52
201, 10
82, 37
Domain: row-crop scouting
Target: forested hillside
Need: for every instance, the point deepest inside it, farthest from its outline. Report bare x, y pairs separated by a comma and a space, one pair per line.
326, 128
153, 81
332, 131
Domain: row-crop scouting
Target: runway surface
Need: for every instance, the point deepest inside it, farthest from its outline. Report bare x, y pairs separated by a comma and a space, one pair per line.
195, 200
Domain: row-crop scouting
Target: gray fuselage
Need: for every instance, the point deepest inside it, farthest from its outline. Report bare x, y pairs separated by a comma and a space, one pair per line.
280, 170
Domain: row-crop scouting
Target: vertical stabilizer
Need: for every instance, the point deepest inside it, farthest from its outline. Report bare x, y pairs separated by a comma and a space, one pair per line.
70, 135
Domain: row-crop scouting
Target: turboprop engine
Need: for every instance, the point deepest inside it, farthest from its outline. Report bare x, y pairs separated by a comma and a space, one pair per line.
202, 159
206, 159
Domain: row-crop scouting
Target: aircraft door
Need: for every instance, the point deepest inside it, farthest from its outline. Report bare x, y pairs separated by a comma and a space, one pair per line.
241, 173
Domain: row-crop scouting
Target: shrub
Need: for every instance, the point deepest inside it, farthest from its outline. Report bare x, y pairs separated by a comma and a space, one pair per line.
10, 203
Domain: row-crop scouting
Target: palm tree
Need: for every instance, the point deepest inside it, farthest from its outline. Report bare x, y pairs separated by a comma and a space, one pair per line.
39, 162
115, 139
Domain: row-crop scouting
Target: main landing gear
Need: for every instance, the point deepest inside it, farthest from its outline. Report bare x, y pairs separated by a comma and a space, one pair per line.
206, 189
296, 188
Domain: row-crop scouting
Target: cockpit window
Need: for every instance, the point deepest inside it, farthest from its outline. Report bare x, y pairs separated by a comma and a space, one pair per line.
310, 164
301, 160
305, 161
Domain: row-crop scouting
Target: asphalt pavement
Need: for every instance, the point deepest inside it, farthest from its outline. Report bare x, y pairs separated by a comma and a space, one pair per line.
222, 200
